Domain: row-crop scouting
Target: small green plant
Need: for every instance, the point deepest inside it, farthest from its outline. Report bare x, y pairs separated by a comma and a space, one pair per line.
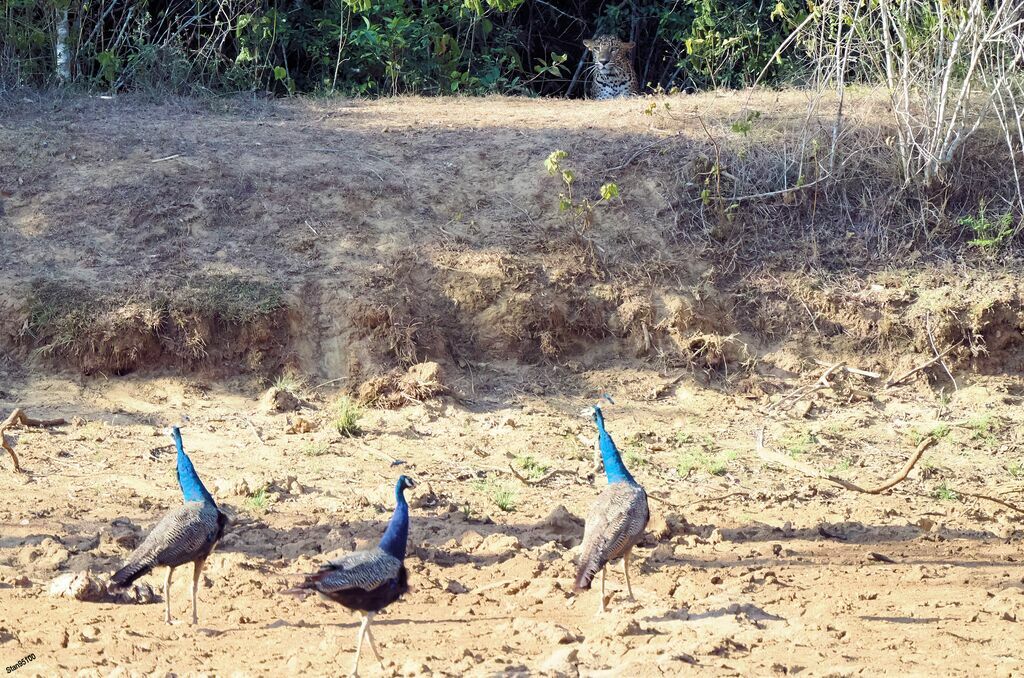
532, 468
315, 449
682, 438
945, 494
800, 444
581, 213
842, 468
988, 234
346, 415
500, 494
1016, 470
939, 431
984, 428
258, 501
699, 460
746, 124
634, 452
288, 381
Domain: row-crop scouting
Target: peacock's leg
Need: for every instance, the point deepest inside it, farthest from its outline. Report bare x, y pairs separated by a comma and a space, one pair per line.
167, 595
369, 635
365, 622
625, 571
603, 571
197, 569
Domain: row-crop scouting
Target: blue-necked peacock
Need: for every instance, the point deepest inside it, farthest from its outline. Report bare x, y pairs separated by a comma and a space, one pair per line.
185, 535
616, 520
370, 580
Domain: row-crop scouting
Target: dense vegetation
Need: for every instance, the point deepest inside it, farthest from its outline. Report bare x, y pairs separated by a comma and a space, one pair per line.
387, 46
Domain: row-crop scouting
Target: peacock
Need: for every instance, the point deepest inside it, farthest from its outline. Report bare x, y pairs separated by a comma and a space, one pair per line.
368, 581
187, 534
616, 520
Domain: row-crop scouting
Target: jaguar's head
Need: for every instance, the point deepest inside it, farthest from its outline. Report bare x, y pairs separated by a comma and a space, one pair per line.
607, 51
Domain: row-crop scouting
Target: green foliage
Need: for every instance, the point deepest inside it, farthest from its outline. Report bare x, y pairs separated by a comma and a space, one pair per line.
258, 501
377, 47
989, 234
315, 449
532, 468
579, 212
716, 464
500, 494
345, 417
289, 381
945, 493
1016, 470
746, 123
634, 454
800, 444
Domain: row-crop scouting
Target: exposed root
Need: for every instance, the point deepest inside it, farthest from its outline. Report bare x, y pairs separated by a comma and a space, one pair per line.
17, 417
783, 460
540, 480
892, 381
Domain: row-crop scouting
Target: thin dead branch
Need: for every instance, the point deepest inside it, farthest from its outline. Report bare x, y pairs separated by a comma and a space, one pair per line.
892, 381
18, 417
820, 384
639, 152
783, 460
538, 481
931, 342
986, 497
852, 370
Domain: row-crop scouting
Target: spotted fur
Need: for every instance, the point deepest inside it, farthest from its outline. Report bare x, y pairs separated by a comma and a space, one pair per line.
613, 70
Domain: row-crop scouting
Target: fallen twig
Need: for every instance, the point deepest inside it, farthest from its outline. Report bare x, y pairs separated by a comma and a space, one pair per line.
976, 495
714, 499
851, 370
641, 151
892, 381
880, 557
170, 157
17, 417
783, 460
795, 395
328, 383
931, 341
546, 476
255, 431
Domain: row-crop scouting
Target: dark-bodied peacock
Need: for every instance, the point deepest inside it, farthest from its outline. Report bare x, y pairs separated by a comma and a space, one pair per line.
370, 580
617, 518
185, 535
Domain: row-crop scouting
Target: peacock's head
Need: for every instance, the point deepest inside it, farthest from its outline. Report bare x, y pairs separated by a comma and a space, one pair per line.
173, 431
404, 483
594, 411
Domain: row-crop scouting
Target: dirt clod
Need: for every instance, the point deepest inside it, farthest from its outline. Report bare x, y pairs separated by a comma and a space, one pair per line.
279, 400
396, 389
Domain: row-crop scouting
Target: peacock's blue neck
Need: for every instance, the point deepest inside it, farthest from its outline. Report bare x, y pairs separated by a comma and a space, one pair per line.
614, 469
397, 534
192, 488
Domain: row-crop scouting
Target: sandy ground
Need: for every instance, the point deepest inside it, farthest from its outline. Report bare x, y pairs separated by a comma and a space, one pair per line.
748, 569
400, 231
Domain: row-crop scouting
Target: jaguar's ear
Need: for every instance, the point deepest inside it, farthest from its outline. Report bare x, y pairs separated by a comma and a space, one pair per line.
589, 44
628, 46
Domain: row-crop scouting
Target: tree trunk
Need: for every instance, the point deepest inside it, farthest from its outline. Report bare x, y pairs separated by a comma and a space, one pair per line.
63, 53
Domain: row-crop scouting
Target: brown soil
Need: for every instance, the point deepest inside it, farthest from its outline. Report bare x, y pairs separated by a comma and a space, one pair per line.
351, 242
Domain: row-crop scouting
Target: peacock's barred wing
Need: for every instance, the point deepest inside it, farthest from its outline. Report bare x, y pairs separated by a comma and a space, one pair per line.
364, 570
182, 536
616, 522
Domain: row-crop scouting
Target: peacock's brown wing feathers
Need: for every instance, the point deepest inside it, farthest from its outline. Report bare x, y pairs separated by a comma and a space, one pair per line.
615, 524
